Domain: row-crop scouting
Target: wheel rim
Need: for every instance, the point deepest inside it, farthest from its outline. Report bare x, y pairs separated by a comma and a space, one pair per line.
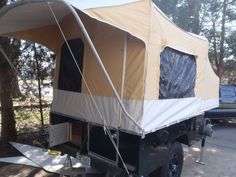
173, 166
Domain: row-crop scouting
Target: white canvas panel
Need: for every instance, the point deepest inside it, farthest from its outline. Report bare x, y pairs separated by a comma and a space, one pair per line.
81, 106
209, 104
39, 156
85, 4
151, 115
163, 113
21, 160
135, 107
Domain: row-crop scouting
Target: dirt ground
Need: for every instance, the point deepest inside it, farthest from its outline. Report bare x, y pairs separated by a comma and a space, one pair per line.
219, 156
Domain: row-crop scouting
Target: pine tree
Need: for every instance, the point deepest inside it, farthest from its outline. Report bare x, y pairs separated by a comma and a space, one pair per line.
220, 15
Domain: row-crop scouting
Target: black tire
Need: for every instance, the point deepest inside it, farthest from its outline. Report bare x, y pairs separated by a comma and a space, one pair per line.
174, 165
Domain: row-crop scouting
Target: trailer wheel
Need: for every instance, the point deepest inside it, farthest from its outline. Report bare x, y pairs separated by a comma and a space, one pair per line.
173, 167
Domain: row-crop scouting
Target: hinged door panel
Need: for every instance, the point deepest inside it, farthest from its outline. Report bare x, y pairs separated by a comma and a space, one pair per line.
59, 134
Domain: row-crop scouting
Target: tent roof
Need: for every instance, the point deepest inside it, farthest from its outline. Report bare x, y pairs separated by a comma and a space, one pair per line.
31, 14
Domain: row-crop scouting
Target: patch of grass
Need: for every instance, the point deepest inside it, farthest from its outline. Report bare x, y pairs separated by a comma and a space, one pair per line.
28, 126
29, 119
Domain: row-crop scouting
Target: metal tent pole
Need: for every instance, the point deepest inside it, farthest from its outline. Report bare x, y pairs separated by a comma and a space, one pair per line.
123, 75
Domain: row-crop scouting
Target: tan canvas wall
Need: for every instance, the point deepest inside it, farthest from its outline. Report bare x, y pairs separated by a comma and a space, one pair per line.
133, 17
112, 56
209, 82
135, 72
164, 33
103, 35
48, 36
158, 32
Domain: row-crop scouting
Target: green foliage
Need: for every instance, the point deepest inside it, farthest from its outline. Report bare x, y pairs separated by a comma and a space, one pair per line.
29, 119
27, 63
184, 13
31, 53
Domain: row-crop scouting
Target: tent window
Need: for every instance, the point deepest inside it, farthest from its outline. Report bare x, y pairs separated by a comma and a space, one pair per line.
70, 78
177, 74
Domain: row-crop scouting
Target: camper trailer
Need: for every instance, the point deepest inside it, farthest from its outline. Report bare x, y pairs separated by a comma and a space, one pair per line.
129, 85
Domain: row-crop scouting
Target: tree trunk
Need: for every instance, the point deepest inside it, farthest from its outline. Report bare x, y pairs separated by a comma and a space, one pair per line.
194, 8
39, 89
8, 132
8, 127
15, 89
36, 55
222, 42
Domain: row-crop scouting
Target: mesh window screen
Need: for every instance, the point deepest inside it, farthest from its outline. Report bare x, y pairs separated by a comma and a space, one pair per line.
70, 78
178, 74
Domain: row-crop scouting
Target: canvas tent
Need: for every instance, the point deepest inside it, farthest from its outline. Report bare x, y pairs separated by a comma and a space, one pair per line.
161, 73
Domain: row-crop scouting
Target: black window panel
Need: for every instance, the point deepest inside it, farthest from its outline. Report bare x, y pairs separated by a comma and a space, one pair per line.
177, 74
70, 78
